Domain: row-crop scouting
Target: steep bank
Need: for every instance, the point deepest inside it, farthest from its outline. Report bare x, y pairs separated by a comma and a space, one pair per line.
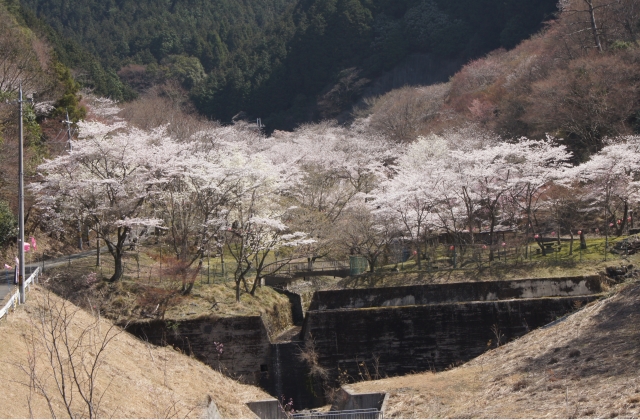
584, 366
138, 380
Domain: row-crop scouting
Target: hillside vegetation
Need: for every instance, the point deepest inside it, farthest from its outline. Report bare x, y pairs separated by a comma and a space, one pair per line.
571, 81
290, 62
147, 42
27, 59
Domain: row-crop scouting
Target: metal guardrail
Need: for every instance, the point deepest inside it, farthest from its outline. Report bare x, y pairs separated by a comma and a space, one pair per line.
15, 297
365, 413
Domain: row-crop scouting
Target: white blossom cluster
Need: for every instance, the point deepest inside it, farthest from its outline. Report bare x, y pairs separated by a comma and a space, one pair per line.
230, 184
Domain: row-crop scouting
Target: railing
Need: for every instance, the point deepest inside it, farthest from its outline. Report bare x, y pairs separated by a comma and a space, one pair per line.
304, 266
365, 413
13, 300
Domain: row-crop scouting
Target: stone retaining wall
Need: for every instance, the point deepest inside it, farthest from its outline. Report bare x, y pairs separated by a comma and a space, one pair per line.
245, 339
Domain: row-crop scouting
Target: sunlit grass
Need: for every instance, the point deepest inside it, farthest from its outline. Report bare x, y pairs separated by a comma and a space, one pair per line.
519, 263
214, 290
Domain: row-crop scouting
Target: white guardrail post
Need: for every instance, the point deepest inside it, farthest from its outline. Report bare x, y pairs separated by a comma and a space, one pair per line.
15, 297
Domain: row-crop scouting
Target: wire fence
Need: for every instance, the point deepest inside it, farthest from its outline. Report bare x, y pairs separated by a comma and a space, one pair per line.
548, 251
154, 264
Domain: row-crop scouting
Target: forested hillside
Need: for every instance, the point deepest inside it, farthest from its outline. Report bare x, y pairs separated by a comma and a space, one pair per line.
287, 61
577, 81
186, 38
121, 32
27, 60
315, 61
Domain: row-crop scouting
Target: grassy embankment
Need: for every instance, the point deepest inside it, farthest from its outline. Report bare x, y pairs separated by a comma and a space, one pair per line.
150, 288
134, 379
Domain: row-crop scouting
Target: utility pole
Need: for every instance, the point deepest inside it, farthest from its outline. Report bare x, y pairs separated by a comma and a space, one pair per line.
21, 273
68, 123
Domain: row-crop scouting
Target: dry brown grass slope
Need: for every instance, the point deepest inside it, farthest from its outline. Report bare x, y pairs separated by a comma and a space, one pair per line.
138, 380
585, 366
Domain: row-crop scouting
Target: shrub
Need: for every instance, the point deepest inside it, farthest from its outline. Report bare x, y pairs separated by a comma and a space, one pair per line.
8, 224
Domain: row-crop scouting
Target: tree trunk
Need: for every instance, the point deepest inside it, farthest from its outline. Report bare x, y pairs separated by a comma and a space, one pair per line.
256, 282
491, 228
119, 270
571, 243
79, 234
117, 251
623, 221
583, 241
594, 26
98, 262
188, 286
222, 262
372, 263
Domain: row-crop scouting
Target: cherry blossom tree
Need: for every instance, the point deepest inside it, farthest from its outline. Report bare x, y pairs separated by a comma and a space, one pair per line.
253, 241
193, 201
255, 227
567, 207
327, 168
612, 178
106, 179
450, 185
541, 163
413, 193
368, 233
506, 171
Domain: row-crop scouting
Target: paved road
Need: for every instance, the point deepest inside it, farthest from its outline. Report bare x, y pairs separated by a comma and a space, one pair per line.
5, 288
6, 276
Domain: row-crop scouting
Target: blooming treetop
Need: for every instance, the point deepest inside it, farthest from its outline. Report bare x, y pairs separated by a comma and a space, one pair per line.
615, 167
438, 186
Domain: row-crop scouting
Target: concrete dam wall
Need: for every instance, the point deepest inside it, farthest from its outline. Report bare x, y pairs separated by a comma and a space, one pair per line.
398, 330
401, 340
455, 292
